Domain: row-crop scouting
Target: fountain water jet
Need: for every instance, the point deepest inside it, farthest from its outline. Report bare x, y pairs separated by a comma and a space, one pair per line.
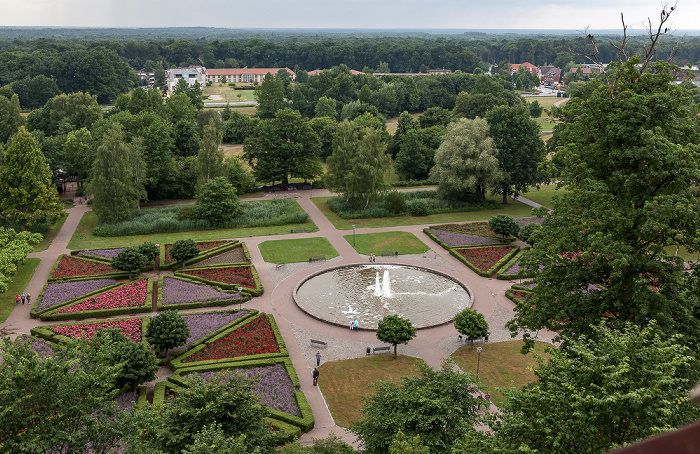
377, 287
386, 285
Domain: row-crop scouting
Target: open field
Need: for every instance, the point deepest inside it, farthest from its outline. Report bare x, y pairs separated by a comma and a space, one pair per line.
222, 92
401, 242
296, 250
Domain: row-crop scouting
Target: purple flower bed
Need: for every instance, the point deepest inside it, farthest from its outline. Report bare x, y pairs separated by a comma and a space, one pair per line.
176, 291
104, 253
39, 346
61, 292
461, 239
522, 222
202, 325
273, 387
126, 400
514, 268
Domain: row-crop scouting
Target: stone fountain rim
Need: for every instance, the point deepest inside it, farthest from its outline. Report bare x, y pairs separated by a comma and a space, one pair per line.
356, 265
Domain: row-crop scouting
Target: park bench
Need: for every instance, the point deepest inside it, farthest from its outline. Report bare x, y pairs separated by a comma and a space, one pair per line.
274, 189
469, 339
319, 343
280, 265
381, 350
299, 230
389, 253
317, 258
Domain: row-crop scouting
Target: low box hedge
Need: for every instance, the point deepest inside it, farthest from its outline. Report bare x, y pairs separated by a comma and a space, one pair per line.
306, 422
511, 262
194, 305
114, 275
285, 433
199, 257
44, 332
490, 272
257, 291
511, 296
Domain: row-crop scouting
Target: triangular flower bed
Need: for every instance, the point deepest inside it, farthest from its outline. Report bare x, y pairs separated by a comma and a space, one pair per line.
485, 260
227, 277
72, 267
132, 328
56, 293
99, 254
206, 249
179, 293
204, 325
469, 228
451, 239
125, 299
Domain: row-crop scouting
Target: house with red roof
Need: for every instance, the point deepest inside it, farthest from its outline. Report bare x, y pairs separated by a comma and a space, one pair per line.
532, 69
243, 75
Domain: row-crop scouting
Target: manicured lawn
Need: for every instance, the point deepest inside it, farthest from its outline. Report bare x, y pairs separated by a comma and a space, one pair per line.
402, 242
51, 234
544, 194
513, 209
545, 122
501, 365
83, 238
683, 252
297, 250
345, 383
228, 93
16, 287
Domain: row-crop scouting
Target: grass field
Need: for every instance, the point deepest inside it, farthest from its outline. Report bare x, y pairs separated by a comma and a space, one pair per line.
51, 234
544, 194
401, 242
513, 209
345, 383
16, 287
83, 238
546, 122
227, 93
501, 365
297, 250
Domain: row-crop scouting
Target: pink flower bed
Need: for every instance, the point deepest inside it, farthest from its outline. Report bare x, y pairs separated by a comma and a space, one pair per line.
130, 295
131, 328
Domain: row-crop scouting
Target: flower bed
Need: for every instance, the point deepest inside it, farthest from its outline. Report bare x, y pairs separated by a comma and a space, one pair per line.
203, 246
231, 275
254, 338
131, 328
485, 258
472, 228
272, 386
461, 239
235, 255
103, 253
127, 399
202, 325
60, 292
178, 291
129, 295
69, 266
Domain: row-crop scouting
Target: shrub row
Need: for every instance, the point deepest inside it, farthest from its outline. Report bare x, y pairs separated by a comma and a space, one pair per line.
199, 257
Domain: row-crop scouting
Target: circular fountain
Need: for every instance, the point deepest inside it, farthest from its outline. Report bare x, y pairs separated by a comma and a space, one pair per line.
367, 293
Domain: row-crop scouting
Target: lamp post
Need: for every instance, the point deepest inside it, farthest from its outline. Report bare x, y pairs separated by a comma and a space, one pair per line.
240, 304
353, 235
478, 360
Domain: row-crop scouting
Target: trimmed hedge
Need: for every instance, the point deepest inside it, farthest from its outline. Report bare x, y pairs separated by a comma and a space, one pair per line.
513, 261
203, 255
146, 307
285, 433
115, 275
253, 291
45, 333
246, 296
37, 314
488, 273
513, 298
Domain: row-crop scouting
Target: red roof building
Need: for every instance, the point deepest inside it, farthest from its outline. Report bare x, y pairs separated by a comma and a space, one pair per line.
532, 69
243, 75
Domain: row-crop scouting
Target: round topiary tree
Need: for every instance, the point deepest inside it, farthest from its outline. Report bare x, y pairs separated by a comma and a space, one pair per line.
504, 225
395, 330
149, 250
527, 233
217, 202
184, 250
167, 330
129, 259
139, 363
472, 324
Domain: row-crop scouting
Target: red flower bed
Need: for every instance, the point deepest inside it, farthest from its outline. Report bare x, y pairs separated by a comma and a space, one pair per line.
236, 275
131, 328
485, 257
521, 295
204, 246
130, 295
71, 266
470, 228
253, 338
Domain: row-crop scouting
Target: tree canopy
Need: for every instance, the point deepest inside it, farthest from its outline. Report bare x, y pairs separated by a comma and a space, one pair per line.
395, 330
167, 330
14, 248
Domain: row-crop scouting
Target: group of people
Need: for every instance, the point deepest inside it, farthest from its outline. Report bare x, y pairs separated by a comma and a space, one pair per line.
23, 298
372, 257
355, 325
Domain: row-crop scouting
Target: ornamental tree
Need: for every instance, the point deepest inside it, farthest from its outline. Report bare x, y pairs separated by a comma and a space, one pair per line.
183, 250
437, 405
395, 330
148, 250
138, 362
167, 330
472, 324
503, 224
217, 202
129, 259
14, 248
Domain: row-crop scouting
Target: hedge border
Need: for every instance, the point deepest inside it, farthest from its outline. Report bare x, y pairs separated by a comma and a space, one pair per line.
202, 340
500, 238
434, 237
44, 332
506, 277
513, 298
490, 272
162, 307
115, 275
36, 314
95, 257
285, 433
258, 291
202, 255
146, 307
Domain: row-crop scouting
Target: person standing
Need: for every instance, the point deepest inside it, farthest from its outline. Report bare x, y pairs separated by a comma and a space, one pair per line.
19, 298
29, 298
357, 325
315, 375
352, 325
318, 357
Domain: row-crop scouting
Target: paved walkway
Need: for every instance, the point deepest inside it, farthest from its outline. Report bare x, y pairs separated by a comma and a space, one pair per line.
432, 344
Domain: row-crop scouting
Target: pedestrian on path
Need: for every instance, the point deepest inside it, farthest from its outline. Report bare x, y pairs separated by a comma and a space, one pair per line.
29, 298
24, 297
352, 325
315, 375
19, 298
356, 325
318, 357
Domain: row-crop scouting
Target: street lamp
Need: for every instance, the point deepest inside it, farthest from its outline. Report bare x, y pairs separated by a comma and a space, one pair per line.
353, 235
478, 360
240, 303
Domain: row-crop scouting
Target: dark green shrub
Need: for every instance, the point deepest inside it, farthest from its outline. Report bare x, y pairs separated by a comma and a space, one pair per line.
395, 202
503, 224
417, 207
526, 233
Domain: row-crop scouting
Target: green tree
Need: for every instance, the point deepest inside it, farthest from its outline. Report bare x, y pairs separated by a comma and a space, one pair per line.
74, 110
283, 147
34, 91
403, 444
414, 159
117, 177
395, 330
326, 107
329, 445
520, 148
435, 116
598, 393
437, 405
149, 250
212, 440
535, 109
472, 324
503, 224
404, 124
466, 163
14, 248
10, 118
167, 330
630, 154
270, 97
359, 166
137, 363
210, 159
27, 195
183, 250
217, 202
129, 259
78, 153
179, 107
528, 233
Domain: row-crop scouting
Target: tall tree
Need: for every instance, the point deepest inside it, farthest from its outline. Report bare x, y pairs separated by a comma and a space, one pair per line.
27, 195
395, 330
415, 158
10, 118
270, 97
78, 153
117, 180
210, 159
217, 202
167, 330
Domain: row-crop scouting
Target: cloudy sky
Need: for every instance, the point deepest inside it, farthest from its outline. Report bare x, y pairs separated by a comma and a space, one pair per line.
402, 14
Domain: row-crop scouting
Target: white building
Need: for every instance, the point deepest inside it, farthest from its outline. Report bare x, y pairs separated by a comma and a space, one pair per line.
191, 74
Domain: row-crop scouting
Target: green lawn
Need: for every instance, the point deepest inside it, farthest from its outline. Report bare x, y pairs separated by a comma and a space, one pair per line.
16, 287
544, 194
297, 250
513, 209
227, 93
345, 383
83, 238
501, 365
403, 242
51, 234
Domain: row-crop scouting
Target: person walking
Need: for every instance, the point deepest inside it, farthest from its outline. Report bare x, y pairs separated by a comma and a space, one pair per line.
24, 297
19, 298
318, 357
315, 375
29, 298
356, 325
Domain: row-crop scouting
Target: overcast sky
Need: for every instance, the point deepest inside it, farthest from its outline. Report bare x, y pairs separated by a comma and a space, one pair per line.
403, 14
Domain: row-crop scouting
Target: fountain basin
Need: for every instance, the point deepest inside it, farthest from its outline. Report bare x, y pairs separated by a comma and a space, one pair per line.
367, 293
